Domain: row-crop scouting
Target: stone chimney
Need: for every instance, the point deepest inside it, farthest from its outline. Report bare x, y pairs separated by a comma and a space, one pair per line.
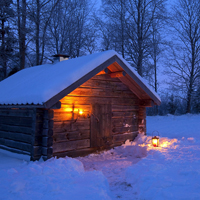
60, 57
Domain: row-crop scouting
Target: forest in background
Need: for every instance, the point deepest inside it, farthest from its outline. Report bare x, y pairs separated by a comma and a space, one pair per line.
160, 39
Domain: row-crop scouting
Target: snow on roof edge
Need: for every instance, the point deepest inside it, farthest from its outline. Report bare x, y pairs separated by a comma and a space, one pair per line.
144, 81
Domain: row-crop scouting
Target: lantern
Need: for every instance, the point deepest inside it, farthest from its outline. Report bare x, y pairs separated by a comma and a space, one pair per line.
155, 139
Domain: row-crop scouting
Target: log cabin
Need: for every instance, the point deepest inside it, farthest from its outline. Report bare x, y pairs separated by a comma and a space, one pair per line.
73, 107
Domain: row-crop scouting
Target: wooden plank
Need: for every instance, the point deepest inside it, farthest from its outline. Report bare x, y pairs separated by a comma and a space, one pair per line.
122, 108
72, 116
16, 112
147, 103
48, 124
68, 136
16, 129
121, 138
124, 114
15, 144
69, 107
142, 112
68, 100
115, 67
81, 125
47, 132
98, 83
36, 150
124, 122
105, 92
100, 100
105, 71
16, 121
76, 153
47, 151
47, 141
124, 129
67, 126
72, 145
62, 126
2, 141
36, 153
14, 150
49, 114
63, 116
105, 77
134, 88
117, 74
16, 136
38, 129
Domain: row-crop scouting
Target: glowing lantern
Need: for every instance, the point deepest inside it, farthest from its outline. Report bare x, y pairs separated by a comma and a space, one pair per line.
155, 141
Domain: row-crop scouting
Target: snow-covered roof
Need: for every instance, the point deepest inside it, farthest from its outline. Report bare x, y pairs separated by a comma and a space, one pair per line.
39, 84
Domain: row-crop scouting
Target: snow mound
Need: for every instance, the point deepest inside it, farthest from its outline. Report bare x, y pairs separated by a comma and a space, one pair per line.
63, 178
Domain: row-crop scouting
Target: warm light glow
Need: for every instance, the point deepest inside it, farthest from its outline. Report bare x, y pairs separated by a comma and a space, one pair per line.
80, 112
155, 141
76, 110
68, 109
165, 144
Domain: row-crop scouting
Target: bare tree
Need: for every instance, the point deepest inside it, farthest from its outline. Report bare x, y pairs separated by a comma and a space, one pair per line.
6, 35
142, 14
113, 25
70, 28
39, 13
21, 13
129, 29
184, 66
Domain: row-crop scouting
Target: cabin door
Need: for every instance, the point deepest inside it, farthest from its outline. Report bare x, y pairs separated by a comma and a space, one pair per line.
101, 134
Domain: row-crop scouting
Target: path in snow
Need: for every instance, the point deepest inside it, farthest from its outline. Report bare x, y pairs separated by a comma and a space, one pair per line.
122, 165
113, 164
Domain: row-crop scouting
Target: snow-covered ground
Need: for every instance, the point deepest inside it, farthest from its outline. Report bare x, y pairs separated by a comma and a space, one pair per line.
135, 170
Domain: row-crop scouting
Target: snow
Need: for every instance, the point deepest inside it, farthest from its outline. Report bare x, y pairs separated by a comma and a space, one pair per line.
53, 179
135, 170
36, 85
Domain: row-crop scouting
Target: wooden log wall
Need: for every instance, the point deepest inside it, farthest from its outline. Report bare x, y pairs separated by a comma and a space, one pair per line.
47, 133
71, 131
18, 131
27, 131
